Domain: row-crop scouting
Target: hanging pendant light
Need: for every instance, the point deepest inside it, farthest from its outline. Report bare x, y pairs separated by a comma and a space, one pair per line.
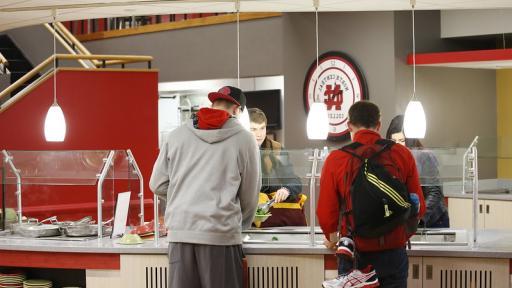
317, 124
244, 117
55, 122
415, 123
414, 120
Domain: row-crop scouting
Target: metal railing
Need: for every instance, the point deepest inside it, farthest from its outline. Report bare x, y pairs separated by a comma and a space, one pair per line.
72, 45
4, 64
104, 60
470, 172
75, 47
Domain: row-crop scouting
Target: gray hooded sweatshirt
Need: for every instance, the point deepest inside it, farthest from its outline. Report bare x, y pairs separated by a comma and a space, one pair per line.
211, 179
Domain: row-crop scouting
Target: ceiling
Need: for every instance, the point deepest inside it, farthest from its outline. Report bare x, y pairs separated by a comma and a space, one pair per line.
18, 13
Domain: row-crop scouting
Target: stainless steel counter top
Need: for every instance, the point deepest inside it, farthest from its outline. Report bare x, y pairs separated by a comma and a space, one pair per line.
492, 244
481, 196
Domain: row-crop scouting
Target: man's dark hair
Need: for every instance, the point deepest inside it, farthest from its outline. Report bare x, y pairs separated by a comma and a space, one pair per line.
364, 114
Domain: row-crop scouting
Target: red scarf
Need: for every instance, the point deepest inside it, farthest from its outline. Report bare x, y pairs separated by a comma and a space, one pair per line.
209, 118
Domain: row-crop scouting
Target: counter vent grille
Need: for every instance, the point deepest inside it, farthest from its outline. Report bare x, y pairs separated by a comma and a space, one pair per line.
273, 277
466, 279
156, 277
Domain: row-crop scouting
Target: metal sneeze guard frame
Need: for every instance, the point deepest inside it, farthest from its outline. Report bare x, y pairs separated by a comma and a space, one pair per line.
108, 163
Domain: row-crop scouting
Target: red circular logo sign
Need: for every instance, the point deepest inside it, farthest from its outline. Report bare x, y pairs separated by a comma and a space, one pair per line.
337, 82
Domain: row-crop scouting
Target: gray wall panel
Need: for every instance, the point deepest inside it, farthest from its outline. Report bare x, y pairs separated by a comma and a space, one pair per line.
206, 52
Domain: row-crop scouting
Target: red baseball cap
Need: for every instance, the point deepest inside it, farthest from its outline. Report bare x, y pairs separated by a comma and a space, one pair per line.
229, 93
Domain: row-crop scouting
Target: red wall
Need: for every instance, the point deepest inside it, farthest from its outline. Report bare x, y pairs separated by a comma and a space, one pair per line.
103, 110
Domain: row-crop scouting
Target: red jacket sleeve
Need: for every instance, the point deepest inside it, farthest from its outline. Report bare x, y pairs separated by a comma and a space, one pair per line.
328, 207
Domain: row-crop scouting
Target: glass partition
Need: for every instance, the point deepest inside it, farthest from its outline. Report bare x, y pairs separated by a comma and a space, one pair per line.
71, 185
494, 167
291, 220
57, 167
8, 201
440, 169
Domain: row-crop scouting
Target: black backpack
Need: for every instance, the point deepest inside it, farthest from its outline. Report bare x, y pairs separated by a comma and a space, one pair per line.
380, 202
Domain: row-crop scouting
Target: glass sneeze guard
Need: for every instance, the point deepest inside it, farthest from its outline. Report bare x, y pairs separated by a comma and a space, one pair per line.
39, 174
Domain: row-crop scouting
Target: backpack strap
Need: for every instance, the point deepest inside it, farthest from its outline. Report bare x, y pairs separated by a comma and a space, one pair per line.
350, 148
386, 145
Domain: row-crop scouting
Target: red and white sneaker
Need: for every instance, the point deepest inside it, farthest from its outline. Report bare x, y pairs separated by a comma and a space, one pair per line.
366, 278
346, 247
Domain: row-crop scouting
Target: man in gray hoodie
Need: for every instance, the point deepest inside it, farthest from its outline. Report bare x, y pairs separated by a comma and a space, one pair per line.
209, 172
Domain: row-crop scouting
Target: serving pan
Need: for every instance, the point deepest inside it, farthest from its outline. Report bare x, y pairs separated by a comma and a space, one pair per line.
84, 228
37, 230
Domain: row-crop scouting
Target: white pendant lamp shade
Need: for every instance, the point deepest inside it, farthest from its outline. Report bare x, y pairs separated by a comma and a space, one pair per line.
415, 124
55, 124
318, 122
244, 119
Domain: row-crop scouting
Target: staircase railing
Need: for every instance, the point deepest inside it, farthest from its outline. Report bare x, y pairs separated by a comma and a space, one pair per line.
104, 60
73, 45
3, 65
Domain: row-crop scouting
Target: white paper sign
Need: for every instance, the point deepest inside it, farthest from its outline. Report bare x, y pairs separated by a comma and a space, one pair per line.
121, 214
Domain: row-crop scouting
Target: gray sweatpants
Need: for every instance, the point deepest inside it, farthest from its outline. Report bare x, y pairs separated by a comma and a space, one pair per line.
205, 266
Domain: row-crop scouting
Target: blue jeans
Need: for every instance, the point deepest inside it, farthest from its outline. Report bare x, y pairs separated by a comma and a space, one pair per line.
392, 266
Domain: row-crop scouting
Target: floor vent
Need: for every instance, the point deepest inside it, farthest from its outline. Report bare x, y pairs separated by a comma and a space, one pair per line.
273, 277
156, 277
466, 279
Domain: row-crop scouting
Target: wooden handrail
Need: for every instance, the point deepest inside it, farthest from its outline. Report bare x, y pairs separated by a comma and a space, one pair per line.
2, 59
75, 41
81, 49
34, 72
72, 38
189, 23
131, 58
68, 47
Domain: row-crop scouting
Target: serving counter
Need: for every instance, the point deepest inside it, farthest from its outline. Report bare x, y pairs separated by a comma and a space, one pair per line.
110, 264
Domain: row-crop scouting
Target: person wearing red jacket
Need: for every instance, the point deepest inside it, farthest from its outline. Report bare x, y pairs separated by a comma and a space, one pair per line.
386, 254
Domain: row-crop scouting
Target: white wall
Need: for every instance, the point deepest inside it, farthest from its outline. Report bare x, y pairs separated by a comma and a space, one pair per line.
461, 23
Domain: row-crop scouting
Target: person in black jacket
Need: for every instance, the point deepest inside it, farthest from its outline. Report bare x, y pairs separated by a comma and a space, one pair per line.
436, 215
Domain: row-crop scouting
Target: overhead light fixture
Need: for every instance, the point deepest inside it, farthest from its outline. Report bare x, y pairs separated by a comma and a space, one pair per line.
244, 117
317, 124
415, 123
55, 122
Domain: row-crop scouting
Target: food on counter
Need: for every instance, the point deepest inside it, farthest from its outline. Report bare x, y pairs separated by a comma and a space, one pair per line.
130, 239
10, 215
274, 238
261, 216
261, 212
148, 229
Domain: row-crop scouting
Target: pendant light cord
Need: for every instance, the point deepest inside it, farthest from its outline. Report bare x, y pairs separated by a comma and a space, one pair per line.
238, 42
413, 3
316, 4
504, 29
54, 12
